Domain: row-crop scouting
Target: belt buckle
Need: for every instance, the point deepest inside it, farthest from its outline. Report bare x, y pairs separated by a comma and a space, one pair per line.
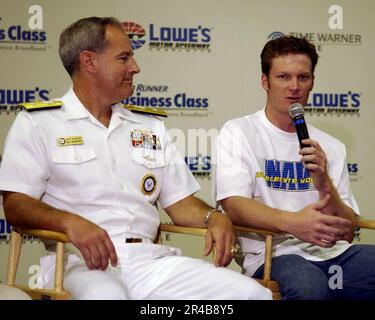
133, 240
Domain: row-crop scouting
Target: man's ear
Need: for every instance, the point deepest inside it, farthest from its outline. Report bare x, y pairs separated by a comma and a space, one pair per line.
265, 82
88, 61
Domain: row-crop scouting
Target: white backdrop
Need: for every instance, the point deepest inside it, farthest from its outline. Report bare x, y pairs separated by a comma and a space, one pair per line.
206, 85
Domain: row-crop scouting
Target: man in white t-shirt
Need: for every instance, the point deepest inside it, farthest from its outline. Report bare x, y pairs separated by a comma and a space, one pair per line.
90, 167
265, 180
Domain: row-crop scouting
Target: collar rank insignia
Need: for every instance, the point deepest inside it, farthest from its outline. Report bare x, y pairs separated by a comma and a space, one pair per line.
143, 138
41, 105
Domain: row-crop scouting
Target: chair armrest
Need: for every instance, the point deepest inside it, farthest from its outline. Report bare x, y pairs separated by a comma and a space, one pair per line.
183, 230
202, 232
267, 251
254, 230
14, 253
45, 234
366, 224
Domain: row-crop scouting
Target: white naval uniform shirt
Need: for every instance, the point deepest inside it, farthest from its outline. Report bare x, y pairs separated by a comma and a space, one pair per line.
103, 179
259, 161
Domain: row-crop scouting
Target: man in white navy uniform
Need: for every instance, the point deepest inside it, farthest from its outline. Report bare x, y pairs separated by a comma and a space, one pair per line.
265, 181
95, 170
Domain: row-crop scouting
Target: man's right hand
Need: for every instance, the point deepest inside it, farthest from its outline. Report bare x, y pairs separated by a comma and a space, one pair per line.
310, 225
93, 242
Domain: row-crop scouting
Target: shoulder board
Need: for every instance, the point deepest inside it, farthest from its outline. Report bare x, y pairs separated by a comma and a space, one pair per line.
151, 111
41, 105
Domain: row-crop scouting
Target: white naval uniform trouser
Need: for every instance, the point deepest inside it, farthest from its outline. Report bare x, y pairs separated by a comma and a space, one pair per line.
147, 271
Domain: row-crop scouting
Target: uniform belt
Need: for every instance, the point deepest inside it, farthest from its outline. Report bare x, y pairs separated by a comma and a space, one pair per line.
133, 240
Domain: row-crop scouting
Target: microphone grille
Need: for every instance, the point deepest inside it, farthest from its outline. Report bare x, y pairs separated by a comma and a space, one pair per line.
296, 109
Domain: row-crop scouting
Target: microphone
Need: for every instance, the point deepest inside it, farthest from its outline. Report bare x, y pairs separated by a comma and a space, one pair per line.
296, 112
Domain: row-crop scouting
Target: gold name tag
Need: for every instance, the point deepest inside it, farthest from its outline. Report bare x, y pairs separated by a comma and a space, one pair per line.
69, 141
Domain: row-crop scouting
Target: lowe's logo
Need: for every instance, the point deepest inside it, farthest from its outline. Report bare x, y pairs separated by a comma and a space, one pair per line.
169, 38
200, 165
345, 102
180, 38
136, 34
169, 34
17, 96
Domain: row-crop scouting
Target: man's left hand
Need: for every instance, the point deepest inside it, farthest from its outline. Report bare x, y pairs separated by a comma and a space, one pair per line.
315, 161
220, 234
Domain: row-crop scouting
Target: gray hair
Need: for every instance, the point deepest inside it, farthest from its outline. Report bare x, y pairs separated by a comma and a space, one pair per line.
84, 34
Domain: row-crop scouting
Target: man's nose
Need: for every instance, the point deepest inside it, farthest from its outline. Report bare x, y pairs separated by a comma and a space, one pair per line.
134, 67
294, 84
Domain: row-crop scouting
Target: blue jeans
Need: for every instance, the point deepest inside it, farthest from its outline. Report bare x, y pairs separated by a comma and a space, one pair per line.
349, 276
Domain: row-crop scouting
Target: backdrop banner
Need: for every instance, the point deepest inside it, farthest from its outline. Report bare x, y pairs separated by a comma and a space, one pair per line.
200, 62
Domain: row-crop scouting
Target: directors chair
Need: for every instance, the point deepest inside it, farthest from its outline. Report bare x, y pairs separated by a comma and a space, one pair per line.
16, 239
266, 280
58, 292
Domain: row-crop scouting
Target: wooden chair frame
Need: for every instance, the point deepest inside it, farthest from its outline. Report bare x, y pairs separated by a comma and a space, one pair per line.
266, 280
58, 292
